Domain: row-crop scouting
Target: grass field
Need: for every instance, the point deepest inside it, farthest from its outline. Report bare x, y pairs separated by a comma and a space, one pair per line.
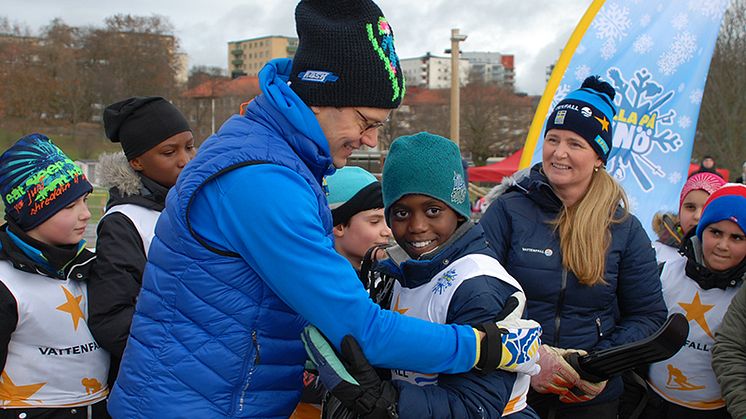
87, 143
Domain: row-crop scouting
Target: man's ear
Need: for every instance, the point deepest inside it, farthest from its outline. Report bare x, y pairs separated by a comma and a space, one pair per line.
136, 165
339, 231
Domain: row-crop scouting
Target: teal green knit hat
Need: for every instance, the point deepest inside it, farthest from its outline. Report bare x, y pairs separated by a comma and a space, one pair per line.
425, 164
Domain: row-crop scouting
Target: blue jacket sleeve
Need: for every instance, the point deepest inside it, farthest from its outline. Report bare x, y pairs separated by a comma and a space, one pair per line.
642, 309
497, 229
468, 395
269, 215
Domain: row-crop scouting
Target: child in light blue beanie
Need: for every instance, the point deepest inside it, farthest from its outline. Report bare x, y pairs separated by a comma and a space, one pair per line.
446, 273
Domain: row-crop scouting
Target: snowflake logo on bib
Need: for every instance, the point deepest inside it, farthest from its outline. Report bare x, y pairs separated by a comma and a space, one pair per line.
444, 282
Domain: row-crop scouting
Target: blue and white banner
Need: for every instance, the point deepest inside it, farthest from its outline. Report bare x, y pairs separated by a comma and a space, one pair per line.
656, 54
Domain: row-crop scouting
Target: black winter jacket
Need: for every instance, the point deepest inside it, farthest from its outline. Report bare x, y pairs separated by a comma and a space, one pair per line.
116, 276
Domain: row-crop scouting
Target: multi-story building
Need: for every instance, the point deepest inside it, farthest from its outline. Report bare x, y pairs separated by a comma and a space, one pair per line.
492, 67
248, 56
432, 72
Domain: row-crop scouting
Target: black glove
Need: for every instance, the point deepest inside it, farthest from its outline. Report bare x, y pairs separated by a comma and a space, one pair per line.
350, 378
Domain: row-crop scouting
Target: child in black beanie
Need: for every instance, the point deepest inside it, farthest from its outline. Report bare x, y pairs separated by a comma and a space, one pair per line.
157, 143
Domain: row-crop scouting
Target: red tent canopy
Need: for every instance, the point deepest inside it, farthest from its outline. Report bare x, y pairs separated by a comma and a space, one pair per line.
694, 167
496, 171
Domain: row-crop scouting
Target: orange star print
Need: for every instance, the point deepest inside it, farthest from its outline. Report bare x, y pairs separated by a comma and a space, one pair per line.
13, 395
397, 309
72, 306
696, 311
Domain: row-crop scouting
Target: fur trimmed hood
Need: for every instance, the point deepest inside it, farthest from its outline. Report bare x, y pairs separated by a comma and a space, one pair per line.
506, 183
126, 186
114, 171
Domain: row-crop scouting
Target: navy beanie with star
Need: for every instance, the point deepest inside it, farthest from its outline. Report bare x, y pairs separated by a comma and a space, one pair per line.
345, 56
37, 180
726, 203
141, 123
425, 164
588, 112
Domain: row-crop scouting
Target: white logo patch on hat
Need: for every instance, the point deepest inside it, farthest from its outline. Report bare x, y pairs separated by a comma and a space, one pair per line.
458, 194
318, 76
586, 112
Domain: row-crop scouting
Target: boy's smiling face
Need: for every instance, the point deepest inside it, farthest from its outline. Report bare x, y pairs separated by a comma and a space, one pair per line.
421, 223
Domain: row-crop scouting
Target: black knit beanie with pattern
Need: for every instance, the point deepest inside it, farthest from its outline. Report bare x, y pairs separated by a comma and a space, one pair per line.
346, 56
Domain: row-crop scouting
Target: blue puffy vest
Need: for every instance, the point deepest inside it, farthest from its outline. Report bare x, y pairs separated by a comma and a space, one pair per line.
209, 338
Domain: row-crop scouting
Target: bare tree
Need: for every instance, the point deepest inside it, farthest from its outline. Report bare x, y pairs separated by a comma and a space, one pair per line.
494, 120
721, 131
133, 56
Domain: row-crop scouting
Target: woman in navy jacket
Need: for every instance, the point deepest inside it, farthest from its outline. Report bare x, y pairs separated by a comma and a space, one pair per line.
585, 263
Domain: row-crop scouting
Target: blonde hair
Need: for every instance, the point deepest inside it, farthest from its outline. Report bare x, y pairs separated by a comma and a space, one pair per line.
583, 228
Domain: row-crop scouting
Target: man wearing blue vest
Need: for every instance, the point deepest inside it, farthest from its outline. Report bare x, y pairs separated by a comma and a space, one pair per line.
243, 256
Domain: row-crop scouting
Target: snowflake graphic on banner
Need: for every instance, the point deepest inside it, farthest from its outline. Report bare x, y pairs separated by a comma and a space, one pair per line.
685, 122
680, 21
696, 96
612, 25
612, 22
560, 94
644, 111
634, 203
680, 52
444, 281
712, 9
582, 72
643, 44
645, 20
674, 177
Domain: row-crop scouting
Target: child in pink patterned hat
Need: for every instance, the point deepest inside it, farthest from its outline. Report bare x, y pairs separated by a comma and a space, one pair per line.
671, 230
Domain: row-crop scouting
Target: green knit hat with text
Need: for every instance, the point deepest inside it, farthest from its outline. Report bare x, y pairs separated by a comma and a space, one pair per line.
425, 164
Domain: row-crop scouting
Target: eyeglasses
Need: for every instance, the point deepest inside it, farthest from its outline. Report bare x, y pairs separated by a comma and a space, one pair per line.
367, 125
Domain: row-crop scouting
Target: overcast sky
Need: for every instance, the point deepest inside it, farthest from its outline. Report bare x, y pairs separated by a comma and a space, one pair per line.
533, 30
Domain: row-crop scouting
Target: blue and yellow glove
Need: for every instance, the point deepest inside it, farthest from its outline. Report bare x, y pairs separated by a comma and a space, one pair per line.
511, 343
350, 378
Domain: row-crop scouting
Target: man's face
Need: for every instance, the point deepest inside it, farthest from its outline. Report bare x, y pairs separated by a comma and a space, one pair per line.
348, 129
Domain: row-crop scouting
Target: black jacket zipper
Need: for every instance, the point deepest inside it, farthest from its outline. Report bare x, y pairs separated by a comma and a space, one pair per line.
560, 303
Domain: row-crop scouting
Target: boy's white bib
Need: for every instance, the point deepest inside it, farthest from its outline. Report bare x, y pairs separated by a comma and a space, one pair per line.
687, 378
53, 361
143, 218
430, 301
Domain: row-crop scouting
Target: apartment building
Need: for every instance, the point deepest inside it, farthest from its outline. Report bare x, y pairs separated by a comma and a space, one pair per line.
248, 56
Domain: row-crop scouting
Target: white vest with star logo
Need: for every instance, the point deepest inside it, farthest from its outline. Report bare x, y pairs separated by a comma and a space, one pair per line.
687, 378
430, 301
53, 361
